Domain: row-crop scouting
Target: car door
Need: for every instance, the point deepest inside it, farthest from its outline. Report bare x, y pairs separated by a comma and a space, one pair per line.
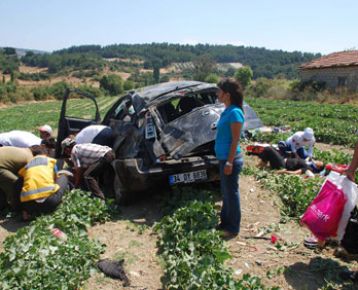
79, 109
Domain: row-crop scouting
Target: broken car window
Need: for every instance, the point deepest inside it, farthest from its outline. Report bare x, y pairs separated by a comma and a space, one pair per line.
180, 106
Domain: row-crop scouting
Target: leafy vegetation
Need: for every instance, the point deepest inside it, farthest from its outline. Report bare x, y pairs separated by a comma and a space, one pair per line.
35, 259
58, 62
112, 84
334, 124
244, 76
9, 63
283, 89
30, 116
295, 192
193, 251
264, 62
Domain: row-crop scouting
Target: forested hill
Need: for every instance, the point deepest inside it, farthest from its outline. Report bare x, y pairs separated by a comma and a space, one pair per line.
264, 62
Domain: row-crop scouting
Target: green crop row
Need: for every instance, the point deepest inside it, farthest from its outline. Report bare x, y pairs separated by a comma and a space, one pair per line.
32, 115
295, 192
332, 123
194, 252
35, 259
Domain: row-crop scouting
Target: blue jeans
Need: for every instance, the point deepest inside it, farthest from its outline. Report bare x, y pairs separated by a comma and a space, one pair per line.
231, 212
285, 148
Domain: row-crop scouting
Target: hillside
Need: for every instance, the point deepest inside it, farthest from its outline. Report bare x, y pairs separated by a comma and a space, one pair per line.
264, 62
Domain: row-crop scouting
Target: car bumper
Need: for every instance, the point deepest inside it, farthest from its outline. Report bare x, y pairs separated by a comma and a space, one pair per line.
133, 177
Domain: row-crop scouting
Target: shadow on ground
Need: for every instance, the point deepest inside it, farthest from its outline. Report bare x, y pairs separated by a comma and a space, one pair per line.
11, 221
149, 207
319, 272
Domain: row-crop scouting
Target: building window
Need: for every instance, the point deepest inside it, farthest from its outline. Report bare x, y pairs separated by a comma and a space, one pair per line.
342, 81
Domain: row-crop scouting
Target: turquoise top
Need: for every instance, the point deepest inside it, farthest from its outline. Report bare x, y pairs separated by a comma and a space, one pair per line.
231, 114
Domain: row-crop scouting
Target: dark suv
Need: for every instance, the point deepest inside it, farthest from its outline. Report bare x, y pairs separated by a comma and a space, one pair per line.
164, 135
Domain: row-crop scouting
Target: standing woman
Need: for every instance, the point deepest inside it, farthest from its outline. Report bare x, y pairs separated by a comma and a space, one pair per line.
228, 152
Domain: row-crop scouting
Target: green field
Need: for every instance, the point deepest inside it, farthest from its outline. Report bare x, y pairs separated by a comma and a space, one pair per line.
32, 115
333, 124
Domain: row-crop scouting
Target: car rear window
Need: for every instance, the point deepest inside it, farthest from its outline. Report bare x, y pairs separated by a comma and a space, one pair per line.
179, 106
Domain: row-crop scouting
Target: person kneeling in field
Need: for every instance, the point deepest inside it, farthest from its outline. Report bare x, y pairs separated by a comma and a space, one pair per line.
12, 159
297, 143
42, 190
89, 161
289, 165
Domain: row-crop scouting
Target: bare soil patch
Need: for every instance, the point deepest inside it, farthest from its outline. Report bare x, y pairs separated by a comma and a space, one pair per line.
32, 70
131, 238
330, 147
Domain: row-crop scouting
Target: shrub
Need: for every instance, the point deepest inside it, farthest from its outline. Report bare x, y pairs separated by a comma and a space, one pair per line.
212, 78
96, 92
113, 84
259, 88
58, 90
244, 75
33, 77
40, 93
128, 85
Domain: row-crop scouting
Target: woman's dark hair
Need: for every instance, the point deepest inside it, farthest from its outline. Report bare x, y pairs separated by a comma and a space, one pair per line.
234, 88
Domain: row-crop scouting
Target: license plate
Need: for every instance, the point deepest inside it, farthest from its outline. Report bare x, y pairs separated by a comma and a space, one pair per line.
187, 177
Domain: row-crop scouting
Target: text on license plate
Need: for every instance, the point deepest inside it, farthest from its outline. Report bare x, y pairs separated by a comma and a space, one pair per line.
187, 177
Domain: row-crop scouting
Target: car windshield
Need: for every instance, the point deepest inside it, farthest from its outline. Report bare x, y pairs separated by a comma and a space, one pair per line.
181, 105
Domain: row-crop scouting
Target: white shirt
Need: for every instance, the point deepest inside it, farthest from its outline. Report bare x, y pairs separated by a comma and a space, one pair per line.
296, 141
19, 138
87, 134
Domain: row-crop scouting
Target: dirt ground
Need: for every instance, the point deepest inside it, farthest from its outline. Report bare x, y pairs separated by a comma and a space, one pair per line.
130, 237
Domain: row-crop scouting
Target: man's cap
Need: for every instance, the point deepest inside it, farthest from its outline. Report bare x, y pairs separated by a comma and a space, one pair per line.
308, 134
46, 128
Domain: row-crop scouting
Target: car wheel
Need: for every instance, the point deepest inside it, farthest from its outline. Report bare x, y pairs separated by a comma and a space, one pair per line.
121, 197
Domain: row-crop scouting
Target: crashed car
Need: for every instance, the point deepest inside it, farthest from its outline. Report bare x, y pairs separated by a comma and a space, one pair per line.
164, 135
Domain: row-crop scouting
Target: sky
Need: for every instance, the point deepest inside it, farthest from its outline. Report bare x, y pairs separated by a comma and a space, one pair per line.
301, 25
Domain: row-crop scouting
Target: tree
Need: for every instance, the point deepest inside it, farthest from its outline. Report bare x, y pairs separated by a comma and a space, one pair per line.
113, 84
244, 75
212, 78
12, 76
128, 85
9, 51
203, 66
156, 74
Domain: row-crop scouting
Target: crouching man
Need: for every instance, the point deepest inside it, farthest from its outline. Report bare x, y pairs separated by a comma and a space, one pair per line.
42, 190
89, 162
12, 159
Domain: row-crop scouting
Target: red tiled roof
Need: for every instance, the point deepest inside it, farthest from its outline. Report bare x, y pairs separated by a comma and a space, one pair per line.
336, 59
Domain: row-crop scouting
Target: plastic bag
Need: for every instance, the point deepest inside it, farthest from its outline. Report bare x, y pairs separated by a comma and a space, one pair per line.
328, 214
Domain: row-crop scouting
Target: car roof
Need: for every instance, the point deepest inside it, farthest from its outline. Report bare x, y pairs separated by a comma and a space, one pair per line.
155, 91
